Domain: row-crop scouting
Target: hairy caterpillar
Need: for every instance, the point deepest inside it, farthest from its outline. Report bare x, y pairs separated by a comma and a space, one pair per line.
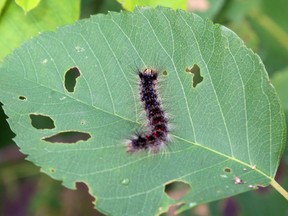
157, 134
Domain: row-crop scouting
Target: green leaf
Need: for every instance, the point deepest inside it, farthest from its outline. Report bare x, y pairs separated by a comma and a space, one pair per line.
16, 27
27, 5
2, 4
229, 125
131, 4
204, 8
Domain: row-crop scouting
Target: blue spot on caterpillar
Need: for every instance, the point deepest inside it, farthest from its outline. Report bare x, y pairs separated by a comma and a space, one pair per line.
157, 134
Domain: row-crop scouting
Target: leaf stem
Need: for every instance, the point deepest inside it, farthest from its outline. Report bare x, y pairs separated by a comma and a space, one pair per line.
279, 188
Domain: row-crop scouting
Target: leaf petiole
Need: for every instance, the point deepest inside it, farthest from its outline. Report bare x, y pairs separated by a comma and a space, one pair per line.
279, 188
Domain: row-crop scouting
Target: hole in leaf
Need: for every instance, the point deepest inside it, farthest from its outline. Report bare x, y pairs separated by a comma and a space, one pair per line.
70, 78
197, 78
177, 189
68, 137
172, 209
21, 97
52, 170
165, 73
39, 121
83, 198
6, 138
227, 170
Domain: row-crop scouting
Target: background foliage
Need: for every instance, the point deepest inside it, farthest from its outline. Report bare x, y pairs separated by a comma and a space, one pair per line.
261, 24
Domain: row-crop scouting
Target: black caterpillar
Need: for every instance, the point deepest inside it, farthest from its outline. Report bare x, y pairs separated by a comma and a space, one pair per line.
157, 134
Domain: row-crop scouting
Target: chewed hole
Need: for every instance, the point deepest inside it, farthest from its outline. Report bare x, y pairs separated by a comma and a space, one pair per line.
82, 193
68, 137
227, 170
177, 189
172, 209
21, 97
197, 78
6, 134
39, 121
52, 170
70, 78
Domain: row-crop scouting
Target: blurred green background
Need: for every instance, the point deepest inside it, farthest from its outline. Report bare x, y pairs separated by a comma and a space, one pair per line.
262, 24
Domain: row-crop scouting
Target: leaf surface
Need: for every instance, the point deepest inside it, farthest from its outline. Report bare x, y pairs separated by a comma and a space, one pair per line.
130, 5
27, 5
229, 125
2, 4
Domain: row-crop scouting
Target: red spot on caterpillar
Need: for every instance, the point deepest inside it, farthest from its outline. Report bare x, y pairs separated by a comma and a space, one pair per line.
157, 128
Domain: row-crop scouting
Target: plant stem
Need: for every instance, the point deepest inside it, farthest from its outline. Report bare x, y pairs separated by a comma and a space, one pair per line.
279, 188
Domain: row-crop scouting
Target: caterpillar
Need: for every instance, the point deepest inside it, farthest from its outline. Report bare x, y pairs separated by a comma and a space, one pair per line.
157, 133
